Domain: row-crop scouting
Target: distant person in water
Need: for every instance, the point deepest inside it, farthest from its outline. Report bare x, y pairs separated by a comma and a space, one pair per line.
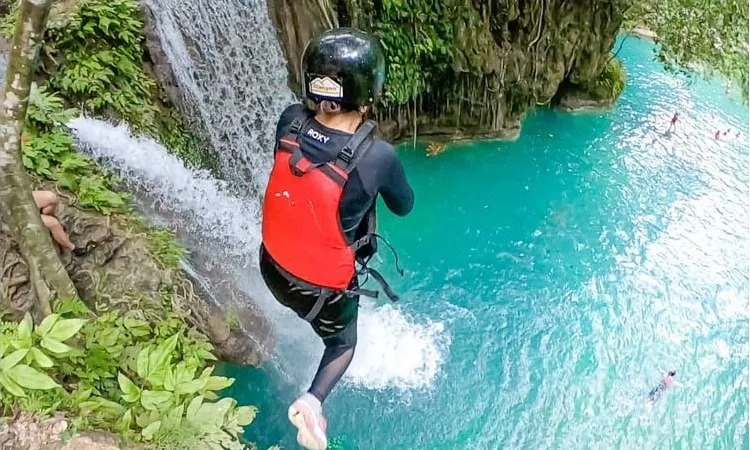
658, 391
717, 136
673, 124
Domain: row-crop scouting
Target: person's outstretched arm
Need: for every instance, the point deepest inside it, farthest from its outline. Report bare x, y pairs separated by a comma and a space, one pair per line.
397, 194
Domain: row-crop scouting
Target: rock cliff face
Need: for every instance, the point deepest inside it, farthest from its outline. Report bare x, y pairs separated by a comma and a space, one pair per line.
120, 272
297, 22
466, 68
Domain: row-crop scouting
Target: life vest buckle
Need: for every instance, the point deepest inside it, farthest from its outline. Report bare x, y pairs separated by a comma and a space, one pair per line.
346, 154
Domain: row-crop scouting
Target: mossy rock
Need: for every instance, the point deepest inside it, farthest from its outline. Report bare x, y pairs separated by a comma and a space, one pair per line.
598, 93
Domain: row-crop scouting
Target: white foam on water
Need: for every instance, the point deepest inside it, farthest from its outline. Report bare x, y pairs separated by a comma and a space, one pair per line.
394, 349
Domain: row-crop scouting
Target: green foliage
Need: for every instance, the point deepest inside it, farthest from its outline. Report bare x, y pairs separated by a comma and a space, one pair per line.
417, 37
165, 247
26, 352
8, 22
609, 84
101, 69
49, 153
709, 37
149, 383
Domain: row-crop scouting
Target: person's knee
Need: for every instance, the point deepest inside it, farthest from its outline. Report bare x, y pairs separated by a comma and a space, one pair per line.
45, 201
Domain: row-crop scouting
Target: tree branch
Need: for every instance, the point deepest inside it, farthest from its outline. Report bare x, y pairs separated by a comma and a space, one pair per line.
49, 278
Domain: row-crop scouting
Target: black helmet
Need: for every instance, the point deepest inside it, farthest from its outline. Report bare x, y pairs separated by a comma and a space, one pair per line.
344, 65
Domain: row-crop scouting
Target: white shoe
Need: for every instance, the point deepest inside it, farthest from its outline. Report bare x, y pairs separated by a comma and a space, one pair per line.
307, 416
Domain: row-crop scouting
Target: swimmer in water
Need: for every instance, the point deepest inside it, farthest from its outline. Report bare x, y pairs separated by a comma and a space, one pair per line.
658, 391
673, 123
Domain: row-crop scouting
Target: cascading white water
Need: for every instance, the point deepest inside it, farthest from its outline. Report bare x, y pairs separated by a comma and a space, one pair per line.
230, 70
393, 350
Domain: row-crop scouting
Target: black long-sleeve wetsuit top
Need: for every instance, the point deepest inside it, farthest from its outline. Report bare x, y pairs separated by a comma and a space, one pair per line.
379, 171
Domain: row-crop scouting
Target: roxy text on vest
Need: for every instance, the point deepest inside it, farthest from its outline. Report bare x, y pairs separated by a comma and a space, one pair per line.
318, 136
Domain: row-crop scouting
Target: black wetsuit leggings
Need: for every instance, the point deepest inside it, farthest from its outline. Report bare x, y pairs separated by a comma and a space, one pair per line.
336, 323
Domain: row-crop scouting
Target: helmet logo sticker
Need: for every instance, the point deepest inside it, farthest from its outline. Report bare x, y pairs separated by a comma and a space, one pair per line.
326, 87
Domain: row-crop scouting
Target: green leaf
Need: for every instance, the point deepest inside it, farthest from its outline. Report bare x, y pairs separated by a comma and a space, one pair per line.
173, 419
11, 385
81, 395
109, 407
218, 383
142, 362
169, 379
41, 359
159, 358
146, 418
31, 378
149, 431
210, 395
125, 422
157, 378
193, 408
55, 347
131, 323
65, 329
207, 372
206, 355
47, 325
108, 338
14, 358
130, 391
183, 373
155, 400
244, 415
191, 387
211, 415
24, 331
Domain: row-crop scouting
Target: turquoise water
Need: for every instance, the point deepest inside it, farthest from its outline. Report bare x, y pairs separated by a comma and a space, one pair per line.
558, 275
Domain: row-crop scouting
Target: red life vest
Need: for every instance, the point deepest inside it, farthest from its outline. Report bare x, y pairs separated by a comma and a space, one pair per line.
301, 227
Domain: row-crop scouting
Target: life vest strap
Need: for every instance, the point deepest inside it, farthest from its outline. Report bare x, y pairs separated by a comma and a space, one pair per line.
360, 142
369, 271
323, 296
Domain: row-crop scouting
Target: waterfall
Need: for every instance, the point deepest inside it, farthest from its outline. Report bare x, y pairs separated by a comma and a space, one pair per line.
232, 75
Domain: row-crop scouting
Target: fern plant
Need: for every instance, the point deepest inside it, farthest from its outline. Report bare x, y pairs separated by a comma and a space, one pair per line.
102, 45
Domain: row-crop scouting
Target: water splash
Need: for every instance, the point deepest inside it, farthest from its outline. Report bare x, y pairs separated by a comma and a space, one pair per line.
394, 350
231, 72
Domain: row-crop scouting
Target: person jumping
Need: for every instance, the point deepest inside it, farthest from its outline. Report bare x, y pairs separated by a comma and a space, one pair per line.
319, 206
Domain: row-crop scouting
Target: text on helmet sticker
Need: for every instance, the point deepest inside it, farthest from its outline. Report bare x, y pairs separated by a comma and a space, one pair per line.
326, 87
